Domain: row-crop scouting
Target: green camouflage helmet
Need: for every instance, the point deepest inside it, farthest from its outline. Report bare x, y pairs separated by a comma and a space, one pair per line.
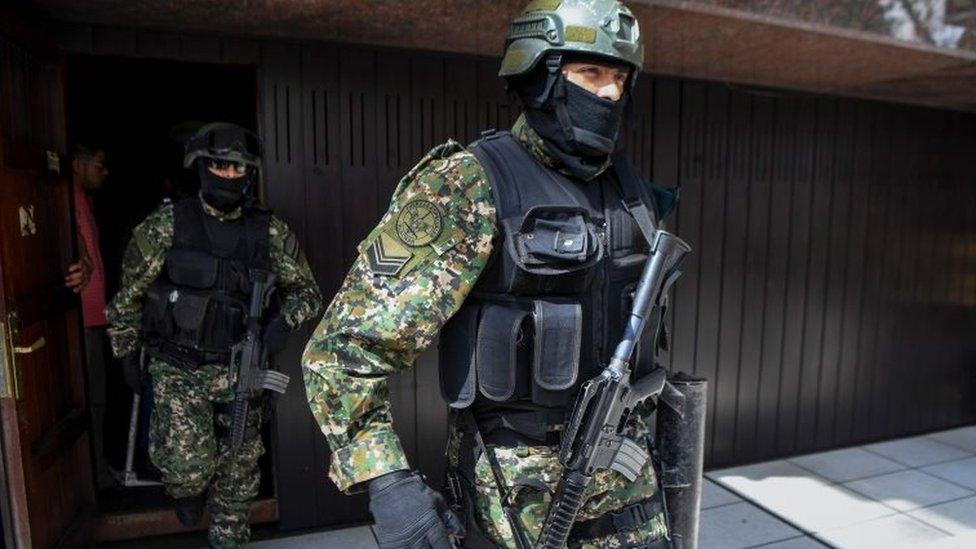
223, 141
604, 28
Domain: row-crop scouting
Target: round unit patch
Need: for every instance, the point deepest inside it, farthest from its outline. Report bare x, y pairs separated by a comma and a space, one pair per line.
419, 223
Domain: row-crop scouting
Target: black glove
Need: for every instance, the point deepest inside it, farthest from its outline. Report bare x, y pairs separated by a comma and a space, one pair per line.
410, 514
275, 335
132, 371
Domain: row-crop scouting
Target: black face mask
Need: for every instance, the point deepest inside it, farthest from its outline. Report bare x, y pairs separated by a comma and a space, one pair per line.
222, 193
580, 128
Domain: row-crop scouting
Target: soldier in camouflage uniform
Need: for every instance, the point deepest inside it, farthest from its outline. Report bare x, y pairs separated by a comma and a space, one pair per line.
184, 297
518, 252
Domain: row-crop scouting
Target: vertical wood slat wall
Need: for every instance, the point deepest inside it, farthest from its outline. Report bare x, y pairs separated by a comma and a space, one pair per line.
830, 297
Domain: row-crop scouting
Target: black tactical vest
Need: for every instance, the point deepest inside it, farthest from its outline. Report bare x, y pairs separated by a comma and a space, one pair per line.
550, 307
195, 310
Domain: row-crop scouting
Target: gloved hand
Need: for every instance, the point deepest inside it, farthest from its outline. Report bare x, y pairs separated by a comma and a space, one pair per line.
132, 371
275, 335
410, 514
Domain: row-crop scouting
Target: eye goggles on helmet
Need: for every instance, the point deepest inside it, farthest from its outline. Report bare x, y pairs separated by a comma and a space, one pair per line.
231, 140
224, 141
224, 164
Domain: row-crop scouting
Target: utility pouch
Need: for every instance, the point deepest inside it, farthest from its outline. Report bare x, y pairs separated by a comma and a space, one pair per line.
554, 250
456, 353
191, 268
555, 362
189, 317
503, 352
628, 247
511, 351
156, 321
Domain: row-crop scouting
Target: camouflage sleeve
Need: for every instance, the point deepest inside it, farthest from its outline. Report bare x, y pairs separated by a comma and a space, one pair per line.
413, 272
143, 260
299, 296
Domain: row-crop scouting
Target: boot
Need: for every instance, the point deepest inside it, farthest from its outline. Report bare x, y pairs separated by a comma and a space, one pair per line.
189, 509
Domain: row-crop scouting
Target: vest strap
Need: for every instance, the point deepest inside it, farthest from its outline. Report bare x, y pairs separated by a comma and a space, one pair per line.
558, 333
635, 201
625, 519
505, 494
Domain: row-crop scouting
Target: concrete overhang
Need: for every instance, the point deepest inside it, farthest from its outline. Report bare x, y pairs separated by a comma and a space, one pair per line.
688, 39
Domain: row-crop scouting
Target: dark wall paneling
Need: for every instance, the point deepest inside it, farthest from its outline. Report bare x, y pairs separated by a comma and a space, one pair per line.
835, 290
741, 419
638, 134
357, 143
494, 110
688, 226
736, 174
711, 243
818, 261
855, 251
323, 182
281, 126
461, 100
832, 284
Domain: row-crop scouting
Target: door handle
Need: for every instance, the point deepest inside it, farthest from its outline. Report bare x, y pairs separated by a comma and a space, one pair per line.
11, 385
40, 342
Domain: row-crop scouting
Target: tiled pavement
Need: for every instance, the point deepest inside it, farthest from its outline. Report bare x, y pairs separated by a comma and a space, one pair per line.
913, 492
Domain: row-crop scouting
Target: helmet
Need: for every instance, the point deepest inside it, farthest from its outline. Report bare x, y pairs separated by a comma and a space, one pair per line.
223, 141
602, 28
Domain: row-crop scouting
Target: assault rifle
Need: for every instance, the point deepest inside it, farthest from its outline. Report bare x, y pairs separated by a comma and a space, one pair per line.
594, 439
248, 372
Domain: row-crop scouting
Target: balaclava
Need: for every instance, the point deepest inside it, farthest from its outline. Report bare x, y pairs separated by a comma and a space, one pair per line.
580, 128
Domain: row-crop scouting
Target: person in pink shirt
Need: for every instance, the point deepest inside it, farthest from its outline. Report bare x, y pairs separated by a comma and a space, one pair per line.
87, 278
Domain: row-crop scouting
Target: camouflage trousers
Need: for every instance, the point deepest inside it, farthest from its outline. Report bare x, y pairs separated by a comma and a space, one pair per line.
525, 470
192, 459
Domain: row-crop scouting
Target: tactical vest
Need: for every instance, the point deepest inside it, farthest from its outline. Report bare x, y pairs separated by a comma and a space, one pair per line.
551, 305
196, 308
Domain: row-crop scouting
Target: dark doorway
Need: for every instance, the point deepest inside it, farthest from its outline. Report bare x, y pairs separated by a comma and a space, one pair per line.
139, 111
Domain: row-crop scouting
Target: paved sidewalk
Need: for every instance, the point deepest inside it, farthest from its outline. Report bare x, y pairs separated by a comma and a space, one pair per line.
911, 492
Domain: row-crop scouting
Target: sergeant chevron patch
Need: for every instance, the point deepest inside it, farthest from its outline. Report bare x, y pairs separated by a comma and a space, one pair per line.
386, 256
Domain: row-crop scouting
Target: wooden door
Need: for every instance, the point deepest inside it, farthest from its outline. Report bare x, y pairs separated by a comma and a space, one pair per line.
47, 492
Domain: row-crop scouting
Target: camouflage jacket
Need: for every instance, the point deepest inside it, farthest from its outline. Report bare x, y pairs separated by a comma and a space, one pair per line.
414, 271
145, 255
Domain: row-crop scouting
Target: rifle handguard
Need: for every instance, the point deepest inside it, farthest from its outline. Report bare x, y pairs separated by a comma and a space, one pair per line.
560, 519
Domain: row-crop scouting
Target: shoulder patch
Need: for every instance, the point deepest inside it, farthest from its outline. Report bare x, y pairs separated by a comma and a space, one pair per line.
419, 223
417, 234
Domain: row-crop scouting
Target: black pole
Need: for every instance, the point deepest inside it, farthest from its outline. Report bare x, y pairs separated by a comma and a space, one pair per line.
681, 446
